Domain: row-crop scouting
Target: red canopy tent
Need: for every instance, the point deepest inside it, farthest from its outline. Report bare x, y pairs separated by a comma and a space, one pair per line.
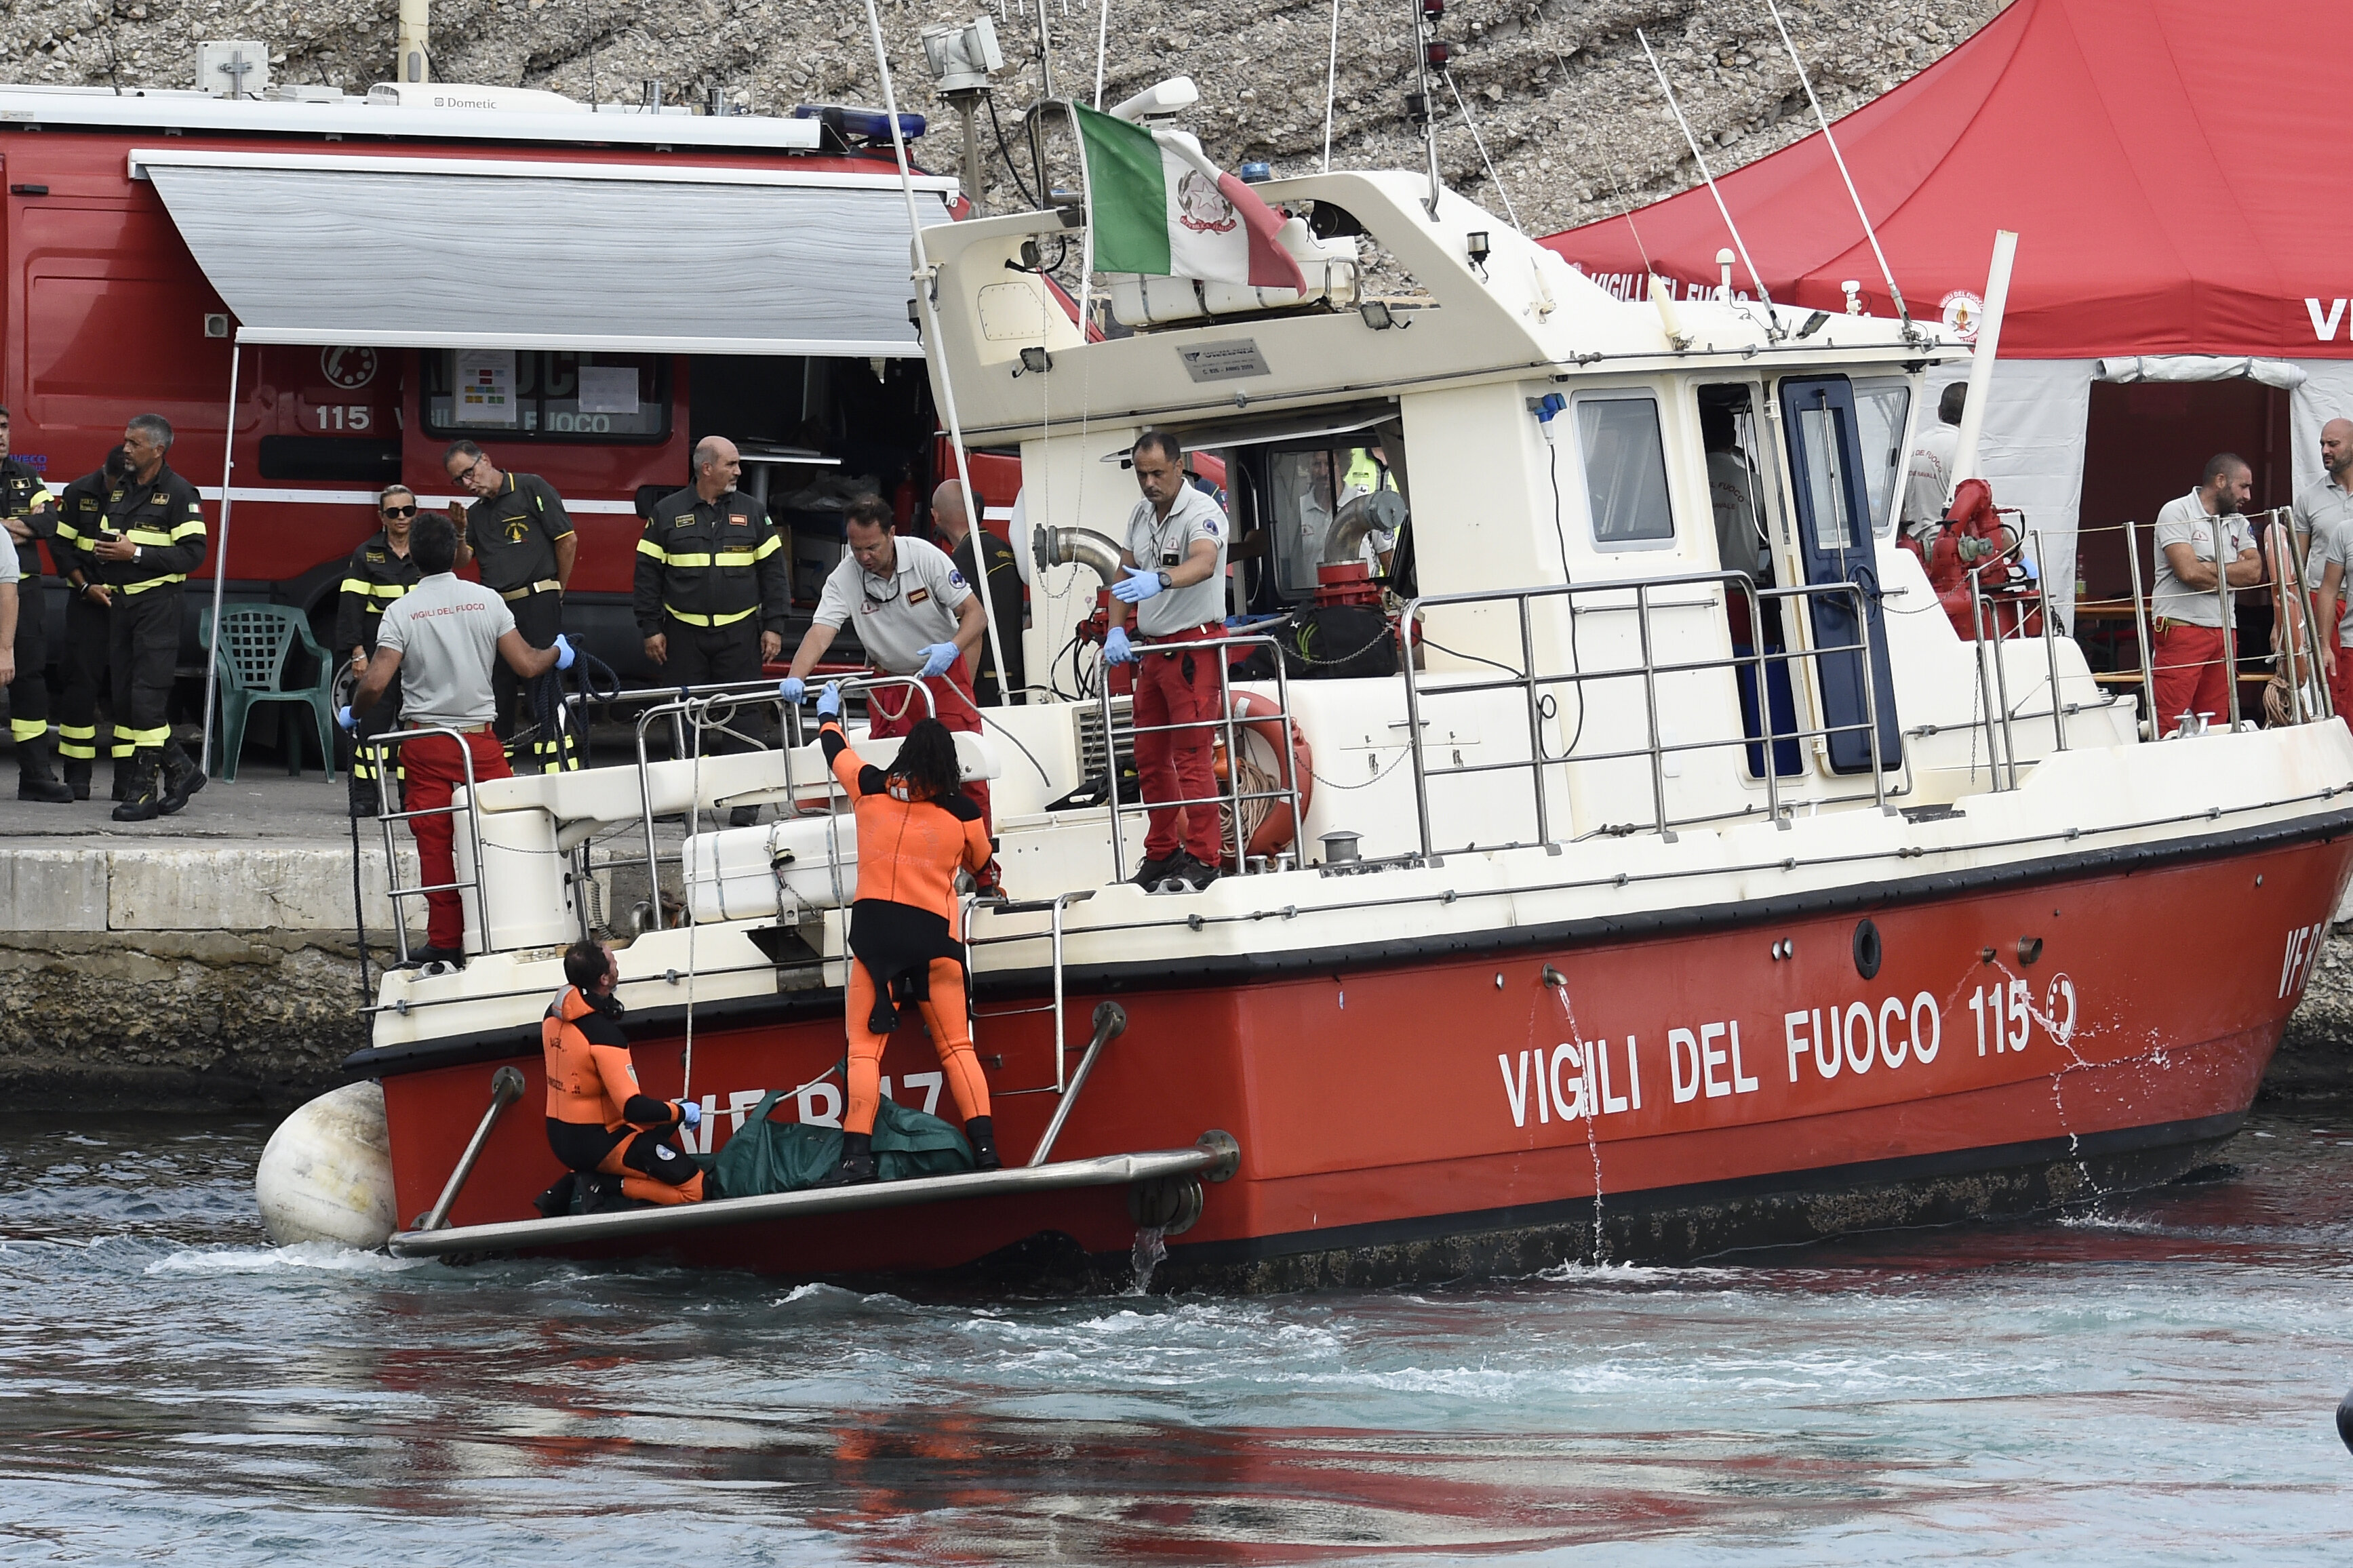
2168, 166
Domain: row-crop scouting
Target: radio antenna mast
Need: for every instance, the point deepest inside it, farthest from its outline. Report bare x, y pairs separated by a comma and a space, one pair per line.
1821, 119
1425, 24
1773, 330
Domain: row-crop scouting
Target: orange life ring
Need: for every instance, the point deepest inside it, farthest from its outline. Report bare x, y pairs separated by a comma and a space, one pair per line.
1261, 716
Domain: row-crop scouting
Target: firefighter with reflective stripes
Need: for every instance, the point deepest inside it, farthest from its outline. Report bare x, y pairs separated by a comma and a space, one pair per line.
29, 513
519, 539
710, 594
380, 571
150, 536
88, 626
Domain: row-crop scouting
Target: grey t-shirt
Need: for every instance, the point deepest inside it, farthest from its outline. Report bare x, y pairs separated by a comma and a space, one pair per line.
2186, 520
897, 618
9, 571
447, 632
1162, 545
2325, 511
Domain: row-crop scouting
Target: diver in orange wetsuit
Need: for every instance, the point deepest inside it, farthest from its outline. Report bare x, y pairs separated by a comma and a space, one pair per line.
598, 1121
915, 828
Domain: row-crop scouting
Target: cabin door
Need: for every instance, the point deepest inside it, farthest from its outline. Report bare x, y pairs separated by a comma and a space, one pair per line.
1833, 508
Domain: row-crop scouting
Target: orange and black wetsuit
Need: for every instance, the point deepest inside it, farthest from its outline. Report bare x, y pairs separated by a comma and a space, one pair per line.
903, 927
597, 1118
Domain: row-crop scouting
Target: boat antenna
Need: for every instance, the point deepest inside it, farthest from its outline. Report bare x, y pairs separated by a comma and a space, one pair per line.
926, 282
1331, 82
1772, 331
1426, 52
1821, 119
1102, 44
1616, 189
1045, 63
1479, 141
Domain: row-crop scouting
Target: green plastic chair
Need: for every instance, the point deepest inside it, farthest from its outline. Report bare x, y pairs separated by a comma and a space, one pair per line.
256, 645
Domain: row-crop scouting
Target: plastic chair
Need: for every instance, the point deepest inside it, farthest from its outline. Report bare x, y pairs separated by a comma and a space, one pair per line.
256, 645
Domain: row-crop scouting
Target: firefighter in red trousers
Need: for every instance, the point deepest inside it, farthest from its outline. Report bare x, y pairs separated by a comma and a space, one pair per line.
2188, 655
916, 827
598, 1120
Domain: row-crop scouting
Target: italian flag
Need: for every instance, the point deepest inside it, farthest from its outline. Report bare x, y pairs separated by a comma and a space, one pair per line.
1158, 207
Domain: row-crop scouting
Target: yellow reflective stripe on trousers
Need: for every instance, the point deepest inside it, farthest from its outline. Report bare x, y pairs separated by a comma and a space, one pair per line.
727, 620
23, 729
144, 739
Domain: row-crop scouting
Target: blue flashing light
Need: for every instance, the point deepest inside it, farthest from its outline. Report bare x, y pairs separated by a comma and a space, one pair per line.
866, 124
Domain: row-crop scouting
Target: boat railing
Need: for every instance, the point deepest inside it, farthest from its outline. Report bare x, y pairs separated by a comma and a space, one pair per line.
1232, 804
382, 747
1541, 690
698, 716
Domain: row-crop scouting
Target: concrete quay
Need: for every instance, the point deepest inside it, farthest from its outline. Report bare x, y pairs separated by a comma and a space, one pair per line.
199, 959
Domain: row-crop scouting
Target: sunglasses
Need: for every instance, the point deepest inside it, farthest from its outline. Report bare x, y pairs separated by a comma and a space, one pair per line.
400, 511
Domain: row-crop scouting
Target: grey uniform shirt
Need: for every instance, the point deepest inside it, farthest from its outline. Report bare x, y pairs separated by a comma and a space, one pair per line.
2325, 511
1162, 546
9, 571
1928, 479
898, 616
2186, 520
447, 632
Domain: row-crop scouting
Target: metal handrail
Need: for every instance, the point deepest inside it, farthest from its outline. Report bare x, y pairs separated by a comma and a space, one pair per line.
381, 746
1751, 666
692, 711
1286, 760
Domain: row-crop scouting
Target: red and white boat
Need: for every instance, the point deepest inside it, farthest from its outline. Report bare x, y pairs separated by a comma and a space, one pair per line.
1591, 977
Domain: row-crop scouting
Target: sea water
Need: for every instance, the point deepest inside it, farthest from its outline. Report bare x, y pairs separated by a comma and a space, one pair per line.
2152, 1382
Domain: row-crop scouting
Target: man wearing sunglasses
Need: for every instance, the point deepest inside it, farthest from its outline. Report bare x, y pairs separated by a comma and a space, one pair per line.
380, 573
520, 537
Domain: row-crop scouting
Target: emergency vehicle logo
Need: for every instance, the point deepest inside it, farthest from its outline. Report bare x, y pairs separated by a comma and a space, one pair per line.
1201, 207
350, 369
1961, 309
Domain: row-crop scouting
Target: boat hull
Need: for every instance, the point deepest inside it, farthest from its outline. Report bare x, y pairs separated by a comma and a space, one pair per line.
1912, 1056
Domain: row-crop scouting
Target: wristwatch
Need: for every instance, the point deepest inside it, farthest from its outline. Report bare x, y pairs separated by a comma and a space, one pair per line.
1166, 581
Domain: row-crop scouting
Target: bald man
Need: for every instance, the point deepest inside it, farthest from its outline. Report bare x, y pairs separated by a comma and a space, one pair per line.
957, 538
711, 593
2323, 513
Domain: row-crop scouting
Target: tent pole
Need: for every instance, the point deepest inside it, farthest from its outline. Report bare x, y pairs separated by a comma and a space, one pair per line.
1989, 344
220, 556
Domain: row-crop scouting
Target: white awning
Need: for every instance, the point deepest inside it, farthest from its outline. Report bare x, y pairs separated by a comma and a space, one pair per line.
480, 253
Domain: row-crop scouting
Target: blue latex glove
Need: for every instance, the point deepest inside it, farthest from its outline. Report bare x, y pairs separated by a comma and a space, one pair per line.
344, 717
690, 1112
937, 657
563, 654
1141, 585
1115, 649
828, 702
793, 689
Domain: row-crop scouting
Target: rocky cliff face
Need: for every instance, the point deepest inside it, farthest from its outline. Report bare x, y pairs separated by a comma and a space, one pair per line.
1573, 122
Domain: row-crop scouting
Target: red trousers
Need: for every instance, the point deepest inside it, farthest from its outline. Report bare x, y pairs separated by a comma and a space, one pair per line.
2340, 680
1178, 685
893, 710
2188, 663
436, 770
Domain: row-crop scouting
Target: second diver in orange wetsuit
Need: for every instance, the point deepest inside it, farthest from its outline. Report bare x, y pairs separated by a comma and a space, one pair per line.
916, 827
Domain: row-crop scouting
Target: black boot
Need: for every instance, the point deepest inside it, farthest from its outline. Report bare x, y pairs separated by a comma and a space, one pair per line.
141, 778
77, 777
182, 778
981, 1133
122, 770
33, 779
366, 799
856, 1167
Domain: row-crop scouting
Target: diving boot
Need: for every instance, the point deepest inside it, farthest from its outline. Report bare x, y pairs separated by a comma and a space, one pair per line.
77, 777
981, 1133
182, 778
142, 787
33, 779
856, 1167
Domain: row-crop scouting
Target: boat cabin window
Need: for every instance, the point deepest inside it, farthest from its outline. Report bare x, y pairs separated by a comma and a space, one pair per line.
1307, 491
1625, 465
1882, 409
1825, 480
547, 397
1735, 489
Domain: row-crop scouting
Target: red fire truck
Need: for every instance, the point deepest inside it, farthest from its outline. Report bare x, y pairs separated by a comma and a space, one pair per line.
584, 292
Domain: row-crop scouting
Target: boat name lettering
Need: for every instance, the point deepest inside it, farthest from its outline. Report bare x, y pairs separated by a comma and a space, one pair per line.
1571, 1080
1853, 1038
2302, 945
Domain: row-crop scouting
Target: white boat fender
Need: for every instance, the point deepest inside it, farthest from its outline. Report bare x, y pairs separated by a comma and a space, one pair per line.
326, 1173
